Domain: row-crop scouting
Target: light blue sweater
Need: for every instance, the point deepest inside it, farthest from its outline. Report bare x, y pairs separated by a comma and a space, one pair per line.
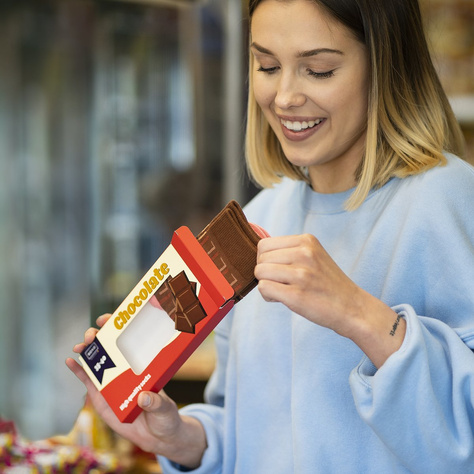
301, 399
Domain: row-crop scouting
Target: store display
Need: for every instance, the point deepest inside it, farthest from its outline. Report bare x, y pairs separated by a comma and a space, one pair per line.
90, 447
74, 453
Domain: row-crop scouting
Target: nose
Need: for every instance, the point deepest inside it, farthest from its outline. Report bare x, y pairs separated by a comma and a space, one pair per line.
289, 93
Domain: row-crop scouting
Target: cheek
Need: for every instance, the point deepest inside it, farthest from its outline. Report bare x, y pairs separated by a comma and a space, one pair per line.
262, 92
351, 98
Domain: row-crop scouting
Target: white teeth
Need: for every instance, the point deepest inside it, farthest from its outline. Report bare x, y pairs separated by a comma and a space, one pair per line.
298, 126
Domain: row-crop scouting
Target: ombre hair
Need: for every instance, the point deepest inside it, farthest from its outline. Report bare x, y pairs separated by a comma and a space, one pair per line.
410, 121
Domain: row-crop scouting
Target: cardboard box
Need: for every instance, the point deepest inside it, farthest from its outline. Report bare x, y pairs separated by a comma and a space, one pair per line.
139, 347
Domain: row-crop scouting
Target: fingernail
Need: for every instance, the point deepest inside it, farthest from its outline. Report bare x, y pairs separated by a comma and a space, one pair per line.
146, 400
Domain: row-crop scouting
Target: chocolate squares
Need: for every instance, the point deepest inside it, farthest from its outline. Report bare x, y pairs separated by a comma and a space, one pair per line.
177, 296
231, 243
188, 309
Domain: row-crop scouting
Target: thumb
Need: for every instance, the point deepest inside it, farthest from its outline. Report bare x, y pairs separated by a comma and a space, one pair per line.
161, 414
157, 403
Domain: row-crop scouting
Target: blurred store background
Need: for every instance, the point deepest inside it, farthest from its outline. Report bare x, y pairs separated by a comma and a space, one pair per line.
119, 122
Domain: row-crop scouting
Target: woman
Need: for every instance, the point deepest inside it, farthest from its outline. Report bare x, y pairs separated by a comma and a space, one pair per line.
355, 354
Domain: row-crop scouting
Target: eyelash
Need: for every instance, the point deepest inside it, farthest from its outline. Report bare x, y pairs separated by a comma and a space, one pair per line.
319, 75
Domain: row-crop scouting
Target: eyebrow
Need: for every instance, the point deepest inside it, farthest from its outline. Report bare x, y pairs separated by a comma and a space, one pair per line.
301, 54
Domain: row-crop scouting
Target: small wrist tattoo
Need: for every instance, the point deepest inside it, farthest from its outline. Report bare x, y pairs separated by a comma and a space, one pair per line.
395, 325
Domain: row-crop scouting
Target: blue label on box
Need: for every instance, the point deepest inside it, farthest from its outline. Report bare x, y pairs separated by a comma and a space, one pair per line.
97, 359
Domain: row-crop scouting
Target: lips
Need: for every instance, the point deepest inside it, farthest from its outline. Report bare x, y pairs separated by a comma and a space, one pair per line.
298, 130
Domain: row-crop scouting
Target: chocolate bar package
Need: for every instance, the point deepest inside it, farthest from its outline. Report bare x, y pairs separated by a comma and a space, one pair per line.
172, 309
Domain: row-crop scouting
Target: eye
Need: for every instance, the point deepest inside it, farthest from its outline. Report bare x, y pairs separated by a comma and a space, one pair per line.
321, 75
268, 70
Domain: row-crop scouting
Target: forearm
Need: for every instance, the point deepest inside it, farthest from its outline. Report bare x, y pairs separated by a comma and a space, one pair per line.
376, 328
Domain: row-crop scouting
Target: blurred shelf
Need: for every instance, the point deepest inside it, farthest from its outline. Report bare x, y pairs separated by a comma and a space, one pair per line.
200, 365
463, 107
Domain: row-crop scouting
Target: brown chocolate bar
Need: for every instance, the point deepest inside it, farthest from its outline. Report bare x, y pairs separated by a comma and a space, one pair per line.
231, 243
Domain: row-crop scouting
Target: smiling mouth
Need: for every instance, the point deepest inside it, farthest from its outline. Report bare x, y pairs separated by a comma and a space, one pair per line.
300, 126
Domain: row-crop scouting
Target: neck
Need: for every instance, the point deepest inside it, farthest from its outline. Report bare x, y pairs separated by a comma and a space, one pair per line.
326, 182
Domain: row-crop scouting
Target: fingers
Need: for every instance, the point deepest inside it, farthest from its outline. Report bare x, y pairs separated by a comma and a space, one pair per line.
291, 270
88, 338
277, 243
288, 259
280, 256
91, 333
273, 255
272, 243
274, 292
289, 249
101, 320
274, 265
274, 272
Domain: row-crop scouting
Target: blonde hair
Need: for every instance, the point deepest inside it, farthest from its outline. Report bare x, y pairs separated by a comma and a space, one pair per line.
410, 121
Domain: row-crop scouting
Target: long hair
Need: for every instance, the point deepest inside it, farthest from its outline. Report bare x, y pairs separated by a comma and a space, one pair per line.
410, 121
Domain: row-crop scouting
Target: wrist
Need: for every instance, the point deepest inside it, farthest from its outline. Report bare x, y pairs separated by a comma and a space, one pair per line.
376, 328
188, 445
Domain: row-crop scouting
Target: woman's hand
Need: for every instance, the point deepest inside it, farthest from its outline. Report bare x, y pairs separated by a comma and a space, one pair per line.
298, 272
159, 429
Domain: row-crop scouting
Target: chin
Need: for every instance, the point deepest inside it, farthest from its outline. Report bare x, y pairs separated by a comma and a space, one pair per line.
301, 162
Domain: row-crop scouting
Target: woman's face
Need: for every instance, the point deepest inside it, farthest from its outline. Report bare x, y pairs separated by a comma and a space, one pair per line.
310, 78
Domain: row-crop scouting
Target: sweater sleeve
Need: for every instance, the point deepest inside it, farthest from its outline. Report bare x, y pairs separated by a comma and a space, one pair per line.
210, 414
420, 403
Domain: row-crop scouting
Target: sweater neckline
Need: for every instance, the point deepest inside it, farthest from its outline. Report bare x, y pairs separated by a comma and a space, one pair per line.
333, 203
322, 203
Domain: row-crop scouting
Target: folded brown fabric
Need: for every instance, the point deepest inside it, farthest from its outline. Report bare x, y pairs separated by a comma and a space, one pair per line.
231, 243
